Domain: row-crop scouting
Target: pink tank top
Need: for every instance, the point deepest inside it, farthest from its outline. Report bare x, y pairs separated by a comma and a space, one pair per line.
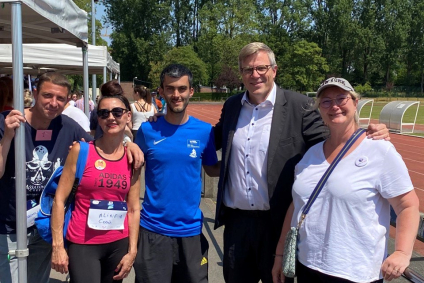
102, 180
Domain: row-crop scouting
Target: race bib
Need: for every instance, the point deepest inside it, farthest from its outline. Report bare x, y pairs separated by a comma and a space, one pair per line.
107, 215
32, 211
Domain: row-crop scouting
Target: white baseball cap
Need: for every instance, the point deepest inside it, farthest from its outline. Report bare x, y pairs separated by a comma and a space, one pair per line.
339, 82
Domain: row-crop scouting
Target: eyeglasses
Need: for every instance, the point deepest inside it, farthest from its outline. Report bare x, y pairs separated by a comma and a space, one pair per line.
340, 100
116, 112
261, 70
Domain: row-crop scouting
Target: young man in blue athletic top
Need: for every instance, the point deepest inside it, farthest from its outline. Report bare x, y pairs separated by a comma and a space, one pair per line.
172, 247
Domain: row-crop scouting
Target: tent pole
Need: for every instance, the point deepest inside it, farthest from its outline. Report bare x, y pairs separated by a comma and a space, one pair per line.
85, 79
104, 75
20, 182
93, 39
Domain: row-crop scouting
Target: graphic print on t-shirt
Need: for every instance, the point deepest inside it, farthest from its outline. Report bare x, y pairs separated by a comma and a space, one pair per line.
109, 180
39, 170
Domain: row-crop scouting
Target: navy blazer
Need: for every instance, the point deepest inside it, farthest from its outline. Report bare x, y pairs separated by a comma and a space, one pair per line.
294, 129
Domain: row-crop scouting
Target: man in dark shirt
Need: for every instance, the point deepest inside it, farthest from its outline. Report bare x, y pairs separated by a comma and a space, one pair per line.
48, 135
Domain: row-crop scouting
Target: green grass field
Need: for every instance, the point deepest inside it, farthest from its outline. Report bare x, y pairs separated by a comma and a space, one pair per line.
407, 118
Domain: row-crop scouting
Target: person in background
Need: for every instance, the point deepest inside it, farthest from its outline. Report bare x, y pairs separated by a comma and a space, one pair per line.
94, 126
80, 104
4, 90
9, 94
72, 101
77, 115
344, 236
28, 98
100, 251
163, 101
156, 102
142, 108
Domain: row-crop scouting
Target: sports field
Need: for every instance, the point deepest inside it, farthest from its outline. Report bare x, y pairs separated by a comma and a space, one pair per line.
408, 117
411, 148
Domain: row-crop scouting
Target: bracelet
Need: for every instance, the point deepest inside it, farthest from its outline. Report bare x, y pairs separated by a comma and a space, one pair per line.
277, 255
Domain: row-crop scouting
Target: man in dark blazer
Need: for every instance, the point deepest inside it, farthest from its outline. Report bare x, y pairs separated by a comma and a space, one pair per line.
263, 134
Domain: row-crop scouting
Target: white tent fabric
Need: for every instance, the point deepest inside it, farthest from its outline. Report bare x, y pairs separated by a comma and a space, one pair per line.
64, 58
47, 21
113, 66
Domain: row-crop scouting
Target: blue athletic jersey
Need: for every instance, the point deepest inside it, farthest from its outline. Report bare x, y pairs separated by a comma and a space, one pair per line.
174, 156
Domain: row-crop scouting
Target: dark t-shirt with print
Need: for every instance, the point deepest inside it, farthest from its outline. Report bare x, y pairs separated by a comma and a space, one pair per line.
42, 158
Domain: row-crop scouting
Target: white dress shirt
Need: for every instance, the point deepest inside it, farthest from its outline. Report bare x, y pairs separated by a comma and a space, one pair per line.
247, 186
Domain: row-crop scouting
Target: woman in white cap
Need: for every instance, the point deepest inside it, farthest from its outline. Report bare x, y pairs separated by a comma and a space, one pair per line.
343, 237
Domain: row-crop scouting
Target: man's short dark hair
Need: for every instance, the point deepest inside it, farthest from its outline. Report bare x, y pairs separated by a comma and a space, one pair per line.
54, 78
176, 71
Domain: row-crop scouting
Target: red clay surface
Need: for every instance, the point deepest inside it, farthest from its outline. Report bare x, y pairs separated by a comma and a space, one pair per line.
411, 148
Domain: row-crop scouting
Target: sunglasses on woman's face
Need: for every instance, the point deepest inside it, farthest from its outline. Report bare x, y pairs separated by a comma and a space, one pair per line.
116, 112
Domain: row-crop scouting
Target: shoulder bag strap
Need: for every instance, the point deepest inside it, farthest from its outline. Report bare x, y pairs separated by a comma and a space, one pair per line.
82, 160
327, 173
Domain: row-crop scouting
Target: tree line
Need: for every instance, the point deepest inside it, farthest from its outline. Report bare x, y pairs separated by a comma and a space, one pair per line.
378, 43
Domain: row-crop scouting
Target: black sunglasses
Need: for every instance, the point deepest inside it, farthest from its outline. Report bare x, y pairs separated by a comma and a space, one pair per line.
116, 112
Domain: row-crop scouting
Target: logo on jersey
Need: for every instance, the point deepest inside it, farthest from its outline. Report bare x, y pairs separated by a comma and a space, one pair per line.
193, 143
193, 153
156, 142
39, 169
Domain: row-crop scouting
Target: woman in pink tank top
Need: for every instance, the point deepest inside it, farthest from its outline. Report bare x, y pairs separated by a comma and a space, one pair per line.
103, 231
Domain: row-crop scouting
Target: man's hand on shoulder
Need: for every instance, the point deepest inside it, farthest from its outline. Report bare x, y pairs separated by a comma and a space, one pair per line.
154, 118
378, 132
135, 155
74, 142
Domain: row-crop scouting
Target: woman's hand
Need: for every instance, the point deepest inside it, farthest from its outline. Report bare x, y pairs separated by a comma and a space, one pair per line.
395, 265
277, 270
60, 260
124, 266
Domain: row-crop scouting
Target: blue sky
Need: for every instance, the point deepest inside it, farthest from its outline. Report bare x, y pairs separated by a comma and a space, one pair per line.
100, 15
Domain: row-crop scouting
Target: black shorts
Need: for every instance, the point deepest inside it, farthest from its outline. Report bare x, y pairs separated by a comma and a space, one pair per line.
171, 259
96, 263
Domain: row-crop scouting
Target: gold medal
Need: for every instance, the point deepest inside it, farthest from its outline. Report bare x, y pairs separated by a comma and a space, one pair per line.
100, 164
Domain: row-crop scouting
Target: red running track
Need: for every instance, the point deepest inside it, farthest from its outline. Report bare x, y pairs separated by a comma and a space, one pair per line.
411, 148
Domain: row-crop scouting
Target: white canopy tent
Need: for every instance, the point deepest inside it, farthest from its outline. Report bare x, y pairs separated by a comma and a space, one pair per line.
36, 21
113, 66
63, 58
46, 21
